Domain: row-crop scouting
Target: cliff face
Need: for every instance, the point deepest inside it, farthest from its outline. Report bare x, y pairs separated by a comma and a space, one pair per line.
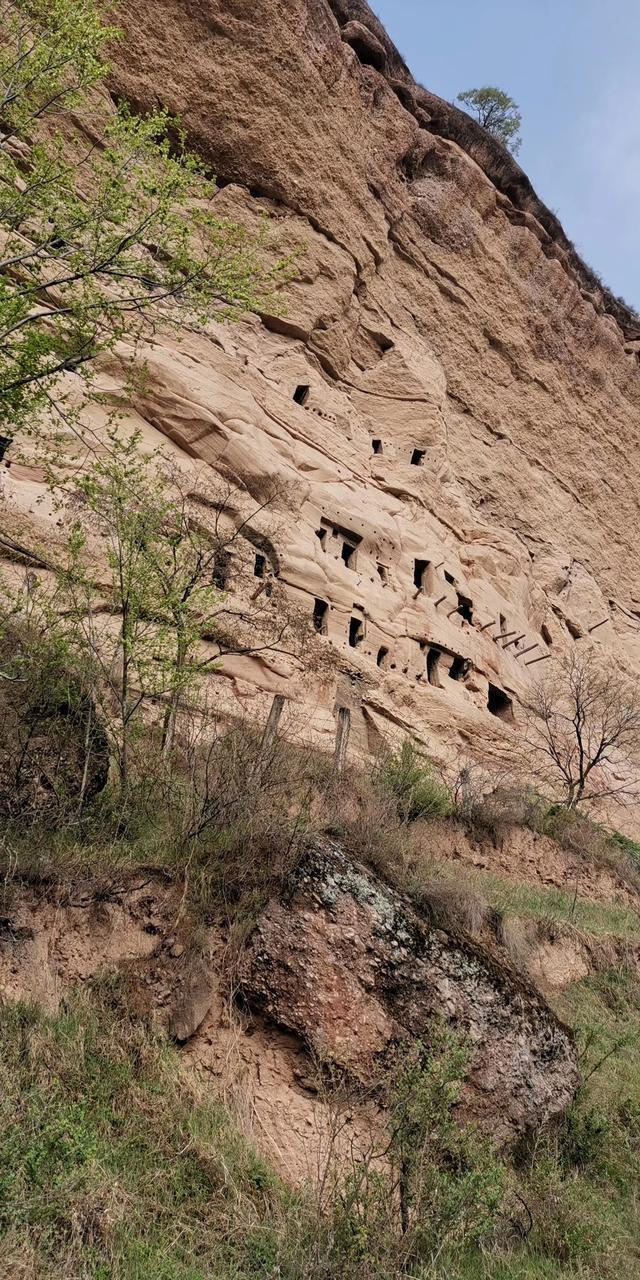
451, 401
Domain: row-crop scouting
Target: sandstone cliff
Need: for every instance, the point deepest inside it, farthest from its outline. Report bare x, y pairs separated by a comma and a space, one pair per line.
450, 402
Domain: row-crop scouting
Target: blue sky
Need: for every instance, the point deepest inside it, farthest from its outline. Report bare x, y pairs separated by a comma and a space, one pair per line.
573, 67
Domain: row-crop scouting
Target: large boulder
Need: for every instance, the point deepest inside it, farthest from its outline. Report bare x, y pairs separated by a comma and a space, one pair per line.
350, 966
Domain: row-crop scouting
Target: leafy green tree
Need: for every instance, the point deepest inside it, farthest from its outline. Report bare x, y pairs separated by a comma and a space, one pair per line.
107, 221
135, 596
496, 112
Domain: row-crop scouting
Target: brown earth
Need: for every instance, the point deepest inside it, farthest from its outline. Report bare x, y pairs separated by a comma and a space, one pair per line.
339, 970
519, 854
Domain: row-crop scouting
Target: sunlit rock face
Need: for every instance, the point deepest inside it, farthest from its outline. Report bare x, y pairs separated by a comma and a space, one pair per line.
449, 404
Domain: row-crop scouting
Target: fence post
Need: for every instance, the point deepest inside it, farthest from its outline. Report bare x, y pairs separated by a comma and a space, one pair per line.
342, 740
271, 727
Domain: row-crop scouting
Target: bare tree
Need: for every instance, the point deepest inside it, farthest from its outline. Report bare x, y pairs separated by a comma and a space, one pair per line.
582, 735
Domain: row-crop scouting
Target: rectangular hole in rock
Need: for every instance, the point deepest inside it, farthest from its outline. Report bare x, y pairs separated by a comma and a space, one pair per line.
433, 663
301, 393
5, 441
321, 535
458, 668
574, 630
499, 704
348, 554
376, 445
320, 616
502, 621
546, 635
382, 659
356, 632
259, 565
419, 573
417, 457
220, 569
448, 577
383, 572
465, 608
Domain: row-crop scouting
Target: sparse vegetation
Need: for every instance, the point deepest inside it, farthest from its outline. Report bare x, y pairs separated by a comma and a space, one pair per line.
115, 1163
413, 783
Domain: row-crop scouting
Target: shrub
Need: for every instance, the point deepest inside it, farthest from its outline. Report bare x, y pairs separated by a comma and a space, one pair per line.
413, 782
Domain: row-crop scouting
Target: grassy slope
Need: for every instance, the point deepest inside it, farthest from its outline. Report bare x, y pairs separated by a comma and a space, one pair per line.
113, 1165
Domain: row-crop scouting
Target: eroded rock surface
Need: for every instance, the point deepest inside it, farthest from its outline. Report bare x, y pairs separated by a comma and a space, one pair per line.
450, 402
347, 964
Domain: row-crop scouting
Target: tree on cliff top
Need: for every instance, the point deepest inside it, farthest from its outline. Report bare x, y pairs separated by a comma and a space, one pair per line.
107, 222
496, 112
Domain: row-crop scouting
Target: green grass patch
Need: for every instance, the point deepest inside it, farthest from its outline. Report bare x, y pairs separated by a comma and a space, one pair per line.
515, 898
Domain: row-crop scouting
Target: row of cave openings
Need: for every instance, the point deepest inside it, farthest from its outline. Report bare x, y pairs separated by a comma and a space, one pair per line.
436, 659
424, 572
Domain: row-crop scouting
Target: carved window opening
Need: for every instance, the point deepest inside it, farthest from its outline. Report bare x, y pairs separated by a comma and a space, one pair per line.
420, 568
433, 663
348, 554
356, 632
417, 457
448, 577
320, 616
383, 573
301, 393
465, 607
503, 625
382, 659
546, 635
5, 441
458, 668
499, 704
220, 569
376, 445
574, 630
321, 535
259, 566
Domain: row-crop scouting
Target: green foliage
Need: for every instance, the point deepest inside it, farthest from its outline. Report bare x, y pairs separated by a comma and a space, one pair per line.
451, 1185
111, 1166
414, 784
496, 112
630, 847
517, 898
99, 241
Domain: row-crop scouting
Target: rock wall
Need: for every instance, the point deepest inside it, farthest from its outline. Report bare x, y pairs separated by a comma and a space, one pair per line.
339, 970
346, 963
450, 402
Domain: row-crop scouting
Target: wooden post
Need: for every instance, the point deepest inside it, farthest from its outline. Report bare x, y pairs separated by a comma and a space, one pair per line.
516, 640
271, 727
504, 635
542, 657
342, 740
598, 624
529, 650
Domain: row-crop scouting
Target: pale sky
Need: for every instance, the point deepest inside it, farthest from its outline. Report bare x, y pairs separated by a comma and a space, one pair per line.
573, 67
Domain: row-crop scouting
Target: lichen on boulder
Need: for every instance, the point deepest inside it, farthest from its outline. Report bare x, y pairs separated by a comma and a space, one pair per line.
348, 964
